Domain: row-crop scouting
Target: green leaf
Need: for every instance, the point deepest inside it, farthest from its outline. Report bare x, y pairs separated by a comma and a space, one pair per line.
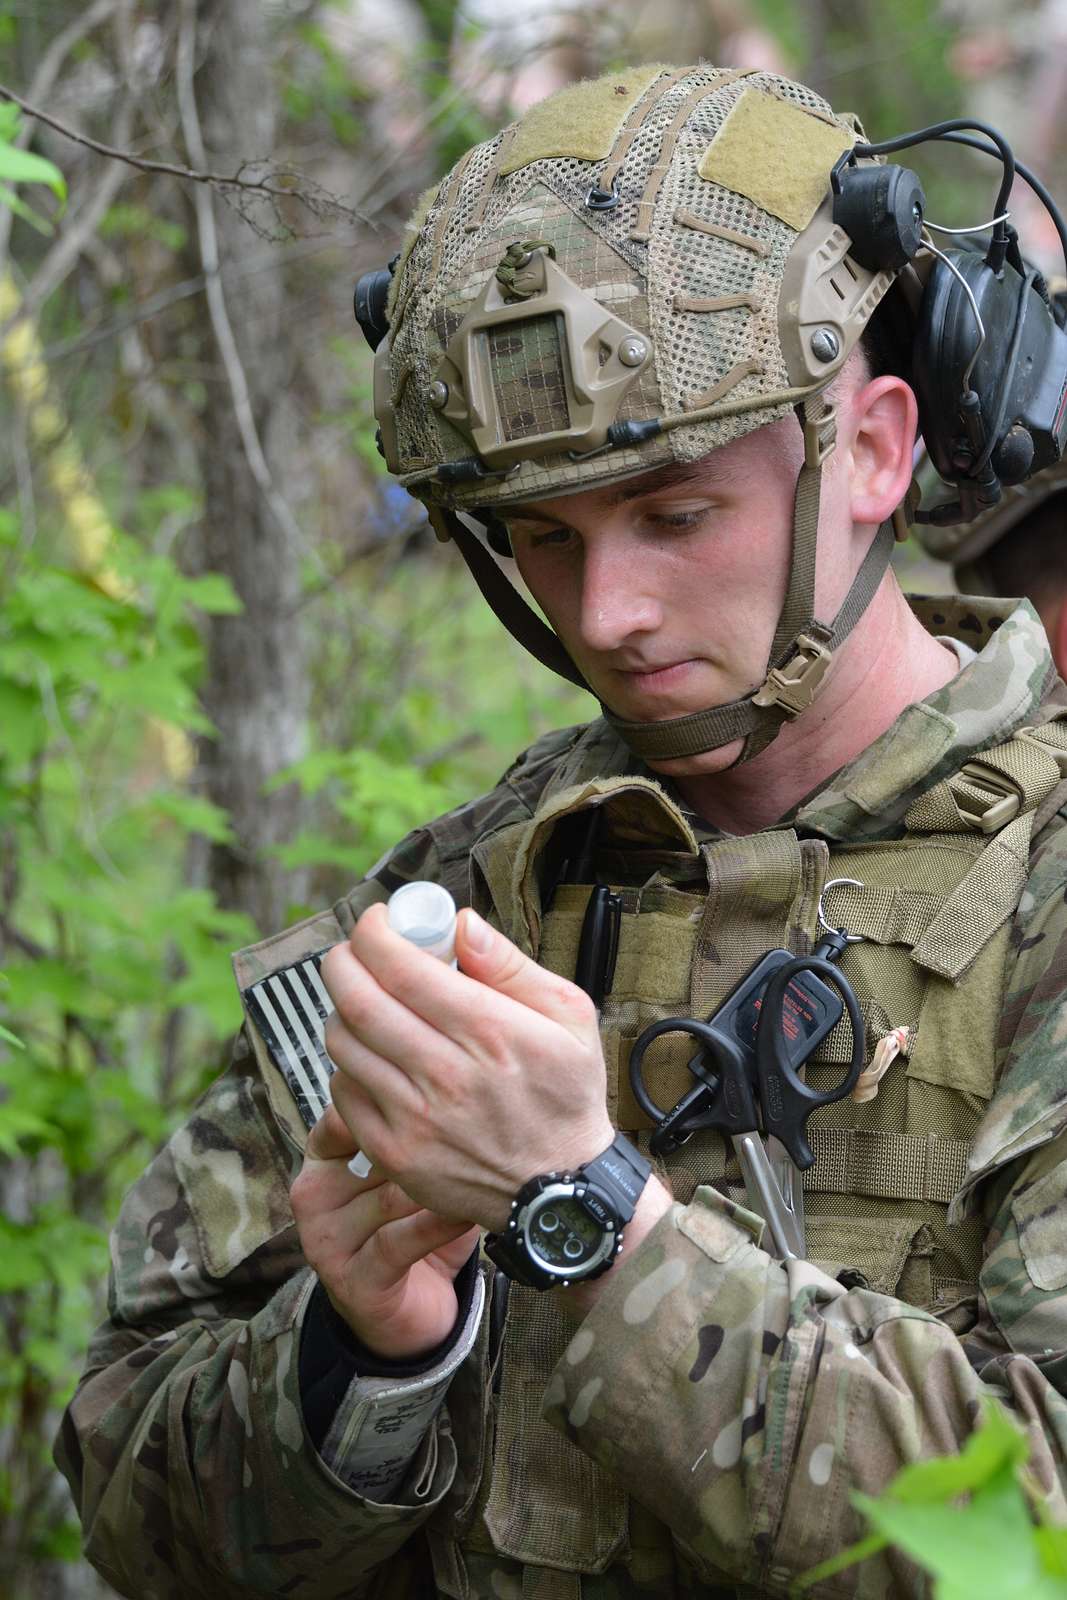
18, 1124
214, 594
28, 213
196, 815
991, 1447
849, 1557
1052, 1549
22, 166
23, 730
985, 1545
7, 1037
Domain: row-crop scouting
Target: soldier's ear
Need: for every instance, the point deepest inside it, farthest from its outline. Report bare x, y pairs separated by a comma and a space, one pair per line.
881, 430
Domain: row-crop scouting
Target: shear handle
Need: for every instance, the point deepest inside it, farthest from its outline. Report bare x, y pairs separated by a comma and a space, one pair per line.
785, 1099
726, 1091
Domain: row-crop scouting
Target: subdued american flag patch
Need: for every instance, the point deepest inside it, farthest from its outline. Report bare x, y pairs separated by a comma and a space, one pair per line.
290, 1009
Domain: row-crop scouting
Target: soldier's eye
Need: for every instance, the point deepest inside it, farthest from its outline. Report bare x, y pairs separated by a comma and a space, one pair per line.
676, 519
553, 536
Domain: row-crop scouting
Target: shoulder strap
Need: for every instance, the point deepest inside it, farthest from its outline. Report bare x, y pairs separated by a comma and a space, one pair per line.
994, 794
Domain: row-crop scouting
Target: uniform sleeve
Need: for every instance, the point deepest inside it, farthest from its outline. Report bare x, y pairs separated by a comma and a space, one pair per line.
185, 1445
742, 1399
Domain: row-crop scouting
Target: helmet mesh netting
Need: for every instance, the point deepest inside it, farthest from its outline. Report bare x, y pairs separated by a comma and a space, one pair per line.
635, 279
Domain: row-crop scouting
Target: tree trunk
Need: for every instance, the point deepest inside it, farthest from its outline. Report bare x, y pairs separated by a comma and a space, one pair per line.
256, 689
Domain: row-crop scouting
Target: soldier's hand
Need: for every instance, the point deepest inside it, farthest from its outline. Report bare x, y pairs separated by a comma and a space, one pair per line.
387, 1264
462, 1085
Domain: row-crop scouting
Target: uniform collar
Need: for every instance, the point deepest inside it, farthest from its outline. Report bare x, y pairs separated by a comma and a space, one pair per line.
981, 706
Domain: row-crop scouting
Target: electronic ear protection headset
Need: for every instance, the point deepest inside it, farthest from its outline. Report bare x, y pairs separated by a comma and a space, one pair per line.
989, 356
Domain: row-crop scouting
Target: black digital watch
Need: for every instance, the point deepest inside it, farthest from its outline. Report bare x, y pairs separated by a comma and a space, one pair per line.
566, 1227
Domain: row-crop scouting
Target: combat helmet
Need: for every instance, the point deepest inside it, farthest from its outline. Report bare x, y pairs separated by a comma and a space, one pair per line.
645, 267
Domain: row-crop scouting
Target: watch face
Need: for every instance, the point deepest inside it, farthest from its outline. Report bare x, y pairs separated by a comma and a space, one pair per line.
562, 1235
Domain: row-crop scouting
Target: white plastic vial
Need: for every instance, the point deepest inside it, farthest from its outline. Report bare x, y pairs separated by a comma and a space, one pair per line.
424, 913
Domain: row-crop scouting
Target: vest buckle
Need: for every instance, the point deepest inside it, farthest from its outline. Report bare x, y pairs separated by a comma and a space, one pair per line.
794, 685
996, 803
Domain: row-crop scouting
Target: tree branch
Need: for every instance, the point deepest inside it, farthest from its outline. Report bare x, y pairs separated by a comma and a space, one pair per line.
278, 184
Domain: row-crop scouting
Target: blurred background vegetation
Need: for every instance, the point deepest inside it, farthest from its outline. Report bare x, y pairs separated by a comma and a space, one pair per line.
234, 664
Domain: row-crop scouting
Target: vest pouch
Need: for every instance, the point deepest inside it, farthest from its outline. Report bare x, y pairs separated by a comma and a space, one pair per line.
880, 1251
549, 1505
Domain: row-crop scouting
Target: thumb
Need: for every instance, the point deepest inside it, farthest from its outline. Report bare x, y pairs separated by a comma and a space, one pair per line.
494, 960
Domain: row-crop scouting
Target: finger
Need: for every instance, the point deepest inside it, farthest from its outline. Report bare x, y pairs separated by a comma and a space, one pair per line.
383, 1082
454, 1252
331, 1139
343, 1231
361, 1116
449, 998
332, 1147
372, 1010
399, 1245
500, 965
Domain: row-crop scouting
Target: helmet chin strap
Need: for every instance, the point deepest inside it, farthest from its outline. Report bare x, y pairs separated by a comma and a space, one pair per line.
800, 653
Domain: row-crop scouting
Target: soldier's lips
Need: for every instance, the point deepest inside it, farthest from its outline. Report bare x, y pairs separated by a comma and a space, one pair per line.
652, 680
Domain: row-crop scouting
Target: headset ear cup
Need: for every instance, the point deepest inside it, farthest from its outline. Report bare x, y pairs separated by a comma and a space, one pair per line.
881, 209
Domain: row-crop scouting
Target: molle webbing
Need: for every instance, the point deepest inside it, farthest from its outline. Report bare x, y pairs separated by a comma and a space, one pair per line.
694, 919
888, 1166
869, 1164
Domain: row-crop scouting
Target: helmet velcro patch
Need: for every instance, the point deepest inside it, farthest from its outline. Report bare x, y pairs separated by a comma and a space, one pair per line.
775, 154
581, 122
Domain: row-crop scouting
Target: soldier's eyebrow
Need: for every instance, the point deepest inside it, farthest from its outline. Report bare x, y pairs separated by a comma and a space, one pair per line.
675, 475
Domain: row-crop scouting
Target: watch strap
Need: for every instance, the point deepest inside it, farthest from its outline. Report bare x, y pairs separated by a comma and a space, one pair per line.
620, 1172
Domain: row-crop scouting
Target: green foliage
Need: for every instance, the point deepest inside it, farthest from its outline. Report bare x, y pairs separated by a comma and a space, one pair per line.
320, 83
107, 957
429, 726
137, 222
22, 166
989, 1547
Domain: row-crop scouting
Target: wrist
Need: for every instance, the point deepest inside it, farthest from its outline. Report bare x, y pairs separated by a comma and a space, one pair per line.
656, 1200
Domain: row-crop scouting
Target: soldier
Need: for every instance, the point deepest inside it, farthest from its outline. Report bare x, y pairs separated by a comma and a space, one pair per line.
625, 338
1017, 547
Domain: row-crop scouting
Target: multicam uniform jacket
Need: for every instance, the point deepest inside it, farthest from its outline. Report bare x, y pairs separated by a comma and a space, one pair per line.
699, 1433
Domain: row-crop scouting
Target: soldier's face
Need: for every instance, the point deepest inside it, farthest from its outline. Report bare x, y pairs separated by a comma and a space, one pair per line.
666, 588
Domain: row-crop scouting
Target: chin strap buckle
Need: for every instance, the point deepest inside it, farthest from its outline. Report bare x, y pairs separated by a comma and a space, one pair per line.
820, 434
794, 685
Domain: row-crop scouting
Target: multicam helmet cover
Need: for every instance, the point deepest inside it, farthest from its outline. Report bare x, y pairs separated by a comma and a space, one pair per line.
641, 270
655, 246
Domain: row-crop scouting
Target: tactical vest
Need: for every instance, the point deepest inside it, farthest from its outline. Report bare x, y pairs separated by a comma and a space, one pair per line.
933, 915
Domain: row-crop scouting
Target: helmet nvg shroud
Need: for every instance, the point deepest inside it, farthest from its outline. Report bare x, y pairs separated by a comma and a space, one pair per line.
642, 269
